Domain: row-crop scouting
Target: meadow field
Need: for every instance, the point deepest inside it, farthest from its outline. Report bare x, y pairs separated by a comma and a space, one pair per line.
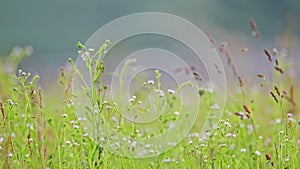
43, 128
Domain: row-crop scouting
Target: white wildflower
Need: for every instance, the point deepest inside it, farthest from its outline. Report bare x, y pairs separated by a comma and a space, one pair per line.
171, 91
258, 153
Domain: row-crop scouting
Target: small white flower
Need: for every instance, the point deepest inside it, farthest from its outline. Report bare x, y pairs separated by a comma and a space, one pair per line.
84, 55
250, 128
131, 100
243, 150
260, 137
10, 154
85, 135
1, 139
108, 107
167, 160
105, 102
277, 121
30, 140
222, 145
27, 155
177, 113
113, 119
147, 145
76, 127
257, 153
81, 119
281, 132
133, 144
63, 115
232, 146
91, 49
215, 106
151, 82
226, 123
134, 97
68, 142
289, 115
171, 91
228, 135
274, 52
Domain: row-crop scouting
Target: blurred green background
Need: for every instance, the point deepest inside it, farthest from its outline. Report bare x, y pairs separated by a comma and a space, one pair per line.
53, 27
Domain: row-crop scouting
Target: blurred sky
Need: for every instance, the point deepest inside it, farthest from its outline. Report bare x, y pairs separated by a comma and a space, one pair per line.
53, 27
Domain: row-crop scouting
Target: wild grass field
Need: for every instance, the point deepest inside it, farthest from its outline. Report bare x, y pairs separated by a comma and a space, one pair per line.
259, 127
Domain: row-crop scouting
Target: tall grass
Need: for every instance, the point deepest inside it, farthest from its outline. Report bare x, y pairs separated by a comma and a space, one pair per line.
41, 129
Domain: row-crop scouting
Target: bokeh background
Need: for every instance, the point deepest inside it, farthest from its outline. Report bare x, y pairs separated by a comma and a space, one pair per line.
52, 28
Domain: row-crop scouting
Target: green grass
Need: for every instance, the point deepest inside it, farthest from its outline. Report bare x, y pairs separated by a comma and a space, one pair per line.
42, 129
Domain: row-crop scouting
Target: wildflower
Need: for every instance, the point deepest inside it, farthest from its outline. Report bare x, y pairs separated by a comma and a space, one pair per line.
85, 135
91, 49
1, 139
133, 144
232, 147
113, 119
76, 127
250, 128
228, 135
30, 140
81, 119
150, 82
171, 91
84, 55
63, 115
222, 145
257, 153
274, 52
289, 115
226, 123
10, 102
176, 113
167, 160
131, 100
10, 154
215, 106
147, 145
108, 107
105, 102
